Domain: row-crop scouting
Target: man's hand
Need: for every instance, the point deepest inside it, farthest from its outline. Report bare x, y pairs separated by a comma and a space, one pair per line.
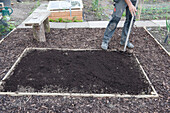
132, 8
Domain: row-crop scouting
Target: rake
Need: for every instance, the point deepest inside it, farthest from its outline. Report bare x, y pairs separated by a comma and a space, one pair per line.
131, 22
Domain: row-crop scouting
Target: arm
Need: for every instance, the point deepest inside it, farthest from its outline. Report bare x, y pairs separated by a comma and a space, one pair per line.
132, 8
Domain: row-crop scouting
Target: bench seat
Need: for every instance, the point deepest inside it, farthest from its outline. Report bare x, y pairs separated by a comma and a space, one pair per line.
40, 23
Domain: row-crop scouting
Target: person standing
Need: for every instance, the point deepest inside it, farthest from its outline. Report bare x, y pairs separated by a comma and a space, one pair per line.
120, 6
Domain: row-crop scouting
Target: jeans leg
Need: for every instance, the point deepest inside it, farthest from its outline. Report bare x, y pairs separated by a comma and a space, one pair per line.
127, 23
117, 13
111, 29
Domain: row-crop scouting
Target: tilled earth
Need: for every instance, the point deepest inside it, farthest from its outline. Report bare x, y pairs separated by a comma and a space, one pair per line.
153, 59
83, 71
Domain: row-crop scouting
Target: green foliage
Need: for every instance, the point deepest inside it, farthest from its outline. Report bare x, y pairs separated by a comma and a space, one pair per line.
66, 20
51, 20
78, 20
57, 20
96, 7
60, 19
38, 2
5, 26
168, 25
124, 14
95, 4
155, 12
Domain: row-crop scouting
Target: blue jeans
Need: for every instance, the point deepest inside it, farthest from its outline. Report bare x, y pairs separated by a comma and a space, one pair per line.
120, 6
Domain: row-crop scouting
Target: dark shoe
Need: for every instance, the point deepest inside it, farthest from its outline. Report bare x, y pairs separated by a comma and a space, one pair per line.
129, 45
19, 1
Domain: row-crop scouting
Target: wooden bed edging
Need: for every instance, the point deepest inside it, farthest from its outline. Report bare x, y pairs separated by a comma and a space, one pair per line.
153, 93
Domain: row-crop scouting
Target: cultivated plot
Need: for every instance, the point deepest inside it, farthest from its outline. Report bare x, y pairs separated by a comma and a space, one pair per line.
75, 72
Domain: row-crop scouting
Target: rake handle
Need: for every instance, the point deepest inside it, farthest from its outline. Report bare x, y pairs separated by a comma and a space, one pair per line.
131, 22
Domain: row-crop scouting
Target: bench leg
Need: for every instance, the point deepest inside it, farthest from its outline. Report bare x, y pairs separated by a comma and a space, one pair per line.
38, 32
46, 25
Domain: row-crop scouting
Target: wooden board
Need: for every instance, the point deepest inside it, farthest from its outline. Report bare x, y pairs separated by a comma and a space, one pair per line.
66, 9
69, 18
66, 13
37, 18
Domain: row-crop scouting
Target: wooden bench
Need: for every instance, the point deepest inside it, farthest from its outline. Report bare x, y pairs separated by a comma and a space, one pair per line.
40, 23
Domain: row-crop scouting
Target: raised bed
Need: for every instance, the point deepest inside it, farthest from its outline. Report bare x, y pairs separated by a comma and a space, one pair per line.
75, 37
66, 10
40, 71
154, 60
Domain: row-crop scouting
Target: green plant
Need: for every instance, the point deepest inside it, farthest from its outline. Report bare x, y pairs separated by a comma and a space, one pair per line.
95, 4
78, 20
168, 25
38, 2
159, 28
60, 19
124, 14
69, 21
51, 20
66, 20
57, 20
5, 26
168, 29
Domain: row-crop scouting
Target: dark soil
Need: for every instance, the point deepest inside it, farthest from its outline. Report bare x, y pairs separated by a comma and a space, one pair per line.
154, 60
78, 72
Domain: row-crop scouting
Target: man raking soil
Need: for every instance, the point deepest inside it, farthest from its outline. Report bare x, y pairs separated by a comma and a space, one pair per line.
120, 6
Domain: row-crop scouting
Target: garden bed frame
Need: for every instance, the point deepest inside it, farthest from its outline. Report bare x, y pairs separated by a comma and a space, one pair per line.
157, 41
7, 35
153, 93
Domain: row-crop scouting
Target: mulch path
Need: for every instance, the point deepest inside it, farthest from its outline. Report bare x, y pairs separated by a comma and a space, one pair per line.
160, 35
153, 59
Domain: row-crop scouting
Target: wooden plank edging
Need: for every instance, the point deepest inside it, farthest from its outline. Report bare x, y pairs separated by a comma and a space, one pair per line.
77, 95
153, 94
7, 35
157, 41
